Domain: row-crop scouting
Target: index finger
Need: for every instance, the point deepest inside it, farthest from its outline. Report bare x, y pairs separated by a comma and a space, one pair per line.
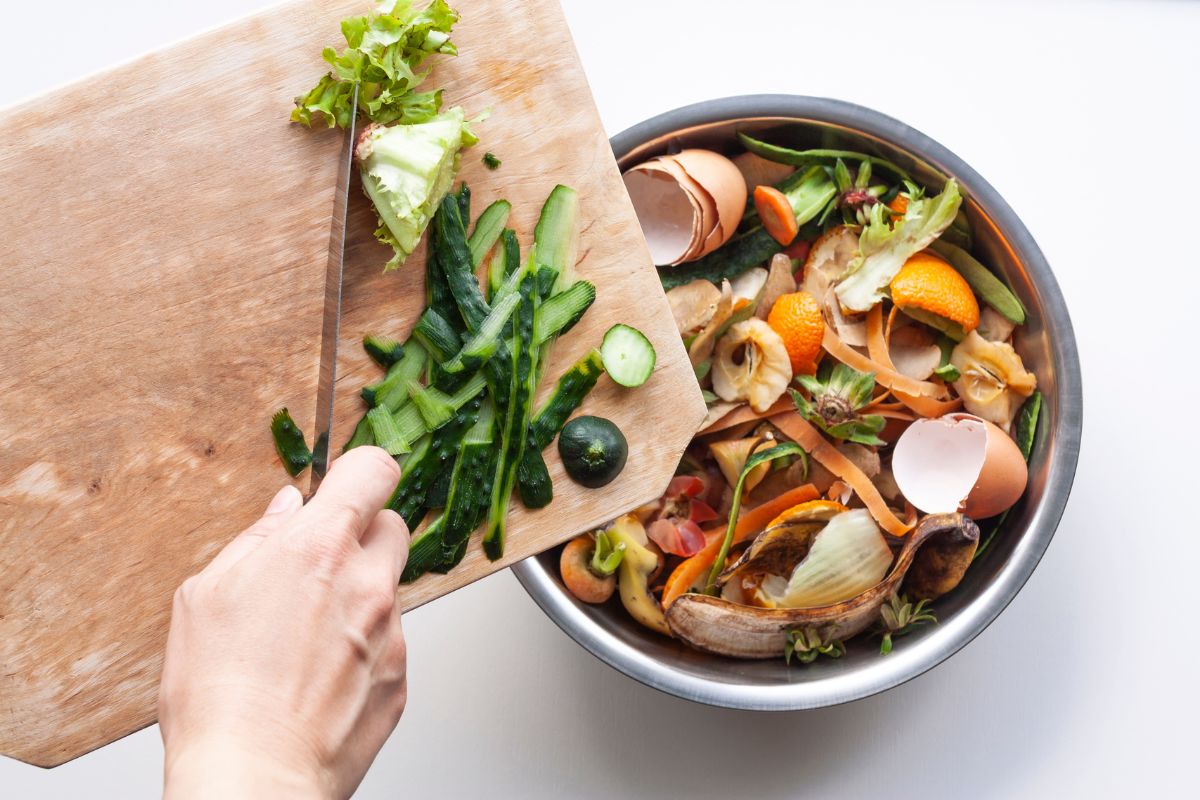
358, 485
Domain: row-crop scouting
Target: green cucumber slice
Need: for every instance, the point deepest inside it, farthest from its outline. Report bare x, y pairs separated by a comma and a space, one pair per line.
628, 356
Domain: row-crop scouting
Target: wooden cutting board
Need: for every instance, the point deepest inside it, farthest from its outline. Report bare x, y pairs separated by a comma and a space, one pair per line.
162, 267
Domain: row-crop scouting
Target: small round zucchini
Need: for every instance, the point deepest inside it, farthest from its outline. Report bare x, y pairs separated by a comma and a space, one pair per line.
628, 355
593, 451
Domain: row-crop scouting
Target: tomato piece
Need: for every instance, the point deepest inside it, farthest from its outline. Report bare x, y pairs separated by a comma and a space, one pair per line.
676, 536
684, 486
701, 511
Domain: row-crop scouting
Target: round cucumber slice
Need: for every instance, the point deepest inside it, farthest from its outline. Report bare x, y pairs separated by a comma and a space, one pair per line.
628, 356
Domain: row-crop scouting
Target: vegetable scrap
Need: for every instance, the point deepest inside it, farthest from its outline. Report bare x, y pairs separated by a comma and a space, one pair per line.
456, 405
868, 404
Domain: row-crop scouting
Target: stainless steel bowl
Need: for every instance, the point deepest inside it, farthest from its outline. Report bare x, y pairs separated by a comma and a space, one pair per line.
1046, 342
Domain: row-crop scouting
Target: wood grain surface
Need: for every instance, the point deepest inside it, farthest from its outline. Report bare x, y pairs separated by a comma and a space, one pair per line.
162, 267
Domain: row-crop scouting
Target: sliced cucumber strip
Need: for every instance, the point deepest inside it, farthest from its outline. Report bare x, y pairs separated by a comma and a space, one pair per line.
386, 433
628, 356
559, 314
289, 443
383, 350
487, 230
437, 335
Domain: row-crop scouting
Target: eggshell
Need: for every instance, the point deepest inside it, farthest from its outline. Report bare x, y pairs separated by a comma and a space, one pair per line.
709, 238
937, 461
720, 178
668, 215
704, 209
959, 461
1003, 478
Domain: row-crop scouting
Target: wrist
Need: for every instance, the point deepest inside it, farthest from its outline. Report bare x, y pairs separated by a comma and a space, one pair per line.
234, 770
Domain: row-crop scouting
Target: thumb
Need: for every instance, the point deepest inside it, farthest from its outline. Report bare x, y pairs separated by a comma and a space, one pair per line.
287, 501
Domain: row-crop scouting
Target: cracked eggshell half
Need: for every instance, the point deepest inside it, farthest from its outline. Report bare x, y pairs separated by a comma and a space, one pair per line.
696, 215
959, 461
668, 214
709, 238
721, 178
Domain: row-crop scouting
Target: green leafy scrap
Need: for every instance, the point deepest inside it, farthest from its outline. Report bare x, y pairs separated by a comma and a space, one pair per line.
836, 393
384, 52
809, 644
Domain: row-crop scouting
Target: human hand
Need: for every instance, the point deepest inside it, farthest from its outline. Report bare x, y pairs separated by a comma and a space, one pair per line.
285, 663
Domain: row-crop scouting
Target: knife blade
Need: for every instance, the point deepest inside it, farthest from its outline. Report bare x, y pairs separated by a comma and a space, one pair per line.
332, 311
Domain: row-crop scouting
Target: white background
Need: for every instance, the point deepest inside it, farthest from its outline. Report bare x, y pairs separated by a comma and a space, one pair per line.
1084, 116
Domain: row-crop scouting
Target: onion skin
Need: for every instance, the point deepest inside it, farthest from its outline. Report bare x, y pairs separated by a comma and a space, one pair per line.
779, 548
716, 625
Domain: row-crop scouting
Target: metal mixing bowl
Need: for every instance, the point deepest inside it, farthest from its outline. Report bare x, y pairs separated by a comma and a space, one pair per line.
1046, 343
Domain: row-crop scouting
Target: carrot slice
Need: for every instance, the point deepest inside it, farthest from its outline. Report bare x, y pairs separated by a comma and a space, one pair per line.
776, 214
750, 523
878, 347
800, 431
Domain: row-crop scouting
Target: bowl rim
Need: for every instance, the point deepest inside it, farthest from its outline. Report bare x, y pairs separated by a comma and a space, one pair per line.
951, 636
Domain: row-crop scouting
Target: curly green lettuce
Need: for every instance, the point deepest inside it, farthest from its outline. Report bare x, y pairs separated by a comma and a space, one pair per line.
406, 171
883, 249
384, 52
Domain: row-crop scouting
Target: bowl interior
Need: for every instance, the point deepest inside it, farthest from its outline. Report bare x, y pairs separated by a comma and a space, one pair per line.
1045, 343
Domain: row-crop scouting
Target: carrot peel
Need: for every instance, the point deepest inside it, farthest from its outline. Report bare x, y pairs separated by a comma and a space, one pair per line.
800, 431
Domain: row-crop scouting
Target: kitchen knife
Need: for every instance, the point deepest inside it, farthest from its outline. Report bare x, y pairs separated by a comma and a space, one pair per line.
332, 314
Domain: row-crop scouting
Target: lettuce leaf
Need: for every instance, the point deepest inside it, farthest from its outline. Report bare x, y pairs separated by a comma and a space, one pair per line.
406, 171
883, 249
384, 51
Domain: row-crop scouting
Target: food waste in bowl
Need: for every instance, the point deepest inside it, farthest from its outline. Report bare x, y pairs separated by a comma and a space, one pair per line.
1045, 341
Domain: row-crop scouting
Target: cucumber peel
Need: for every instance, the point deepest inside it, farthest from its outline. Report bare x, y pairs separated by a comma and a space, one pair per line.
533, 479
289, 443
562, 311
383, 350
808, 158
487, 230
386, 433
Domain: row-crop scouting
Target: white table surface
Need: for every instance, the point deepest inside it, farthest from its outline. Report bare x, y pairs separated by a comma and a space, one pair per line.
1084, 116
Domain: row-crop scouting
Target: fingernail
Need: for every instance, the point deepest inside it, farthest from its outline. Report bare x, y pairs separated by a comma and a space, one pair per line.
286, 499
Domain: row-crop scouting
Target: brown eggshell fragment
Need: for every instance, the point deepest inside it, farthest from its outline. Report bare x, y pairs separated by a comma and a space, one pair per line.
721, 178
936, 462
669, 216
1003, 478
705, 219
959, 461
708, 234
